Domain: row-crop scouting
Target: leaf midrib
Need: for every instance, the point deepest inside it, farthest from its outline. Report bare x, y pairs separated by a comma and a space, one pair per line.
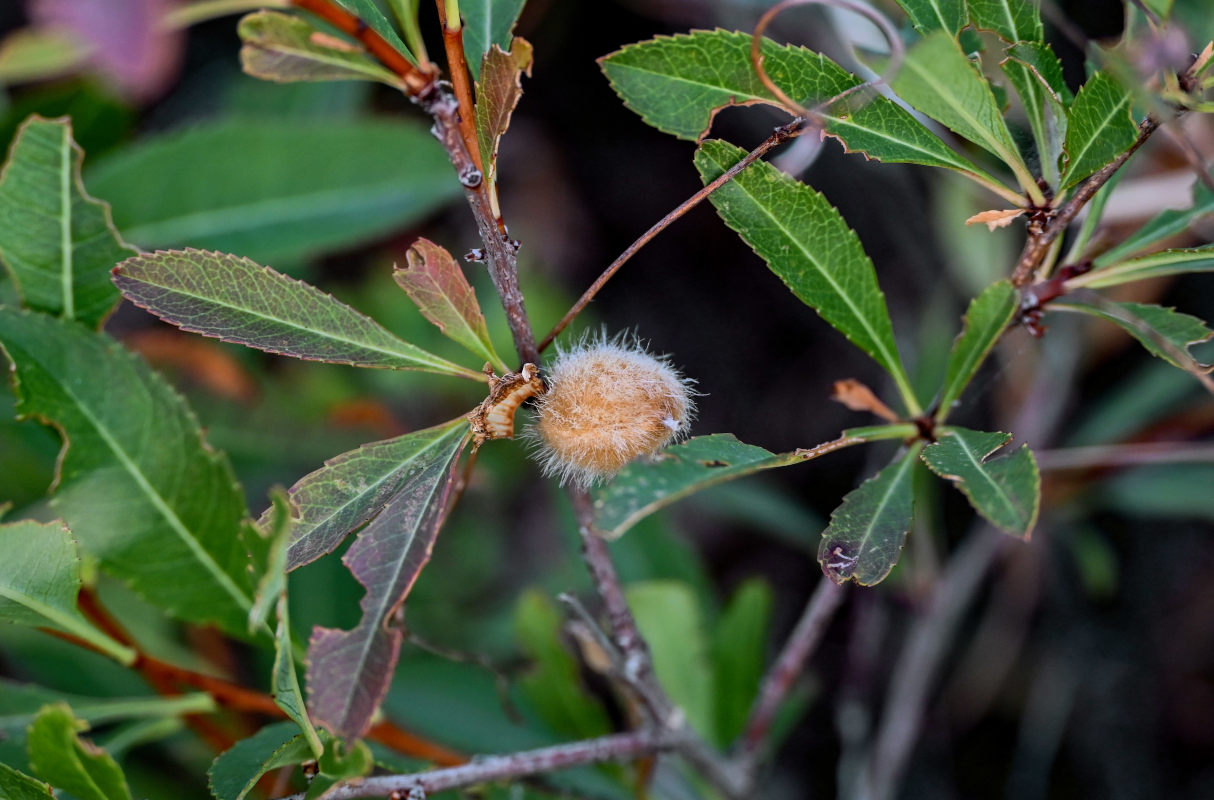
903, 466
1104, 123
997, 147
978, 467
437, 363
158, 502
888, 361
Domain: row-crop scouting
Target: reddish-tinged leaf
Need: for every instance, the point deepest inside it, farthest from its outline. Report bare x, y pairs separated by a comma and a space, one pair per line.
238, 300
497, 94
435, 282
349, 671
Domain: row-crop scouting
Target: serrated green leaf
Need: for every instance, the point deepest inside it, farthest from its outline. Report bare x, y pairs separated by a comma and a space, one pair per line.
644, 487
1164, 332
1036, 74
39, 581
935, 15
435, 283
805, 241
236, 771
487, 23
275, 190
1155, 265
237, 300
1013, 20
552, 681
868, 529
987, 316
138, 485
55, 239
61, 758
349, 670
283, 48
937, 79
352, 488
1100, 127
739, 655
370, 13
287, 692
1163, 225
1005, 490
670, 619
16, 785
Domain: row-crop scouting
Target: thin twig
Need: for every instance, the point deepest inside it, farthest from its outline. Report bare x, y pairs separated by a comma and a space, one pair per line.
617, 747
787, 667
461, 83
779, 136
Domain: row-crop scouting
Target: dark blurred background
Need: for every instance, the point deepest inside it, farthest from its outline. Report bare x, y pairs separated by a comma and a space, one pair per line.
1079, 664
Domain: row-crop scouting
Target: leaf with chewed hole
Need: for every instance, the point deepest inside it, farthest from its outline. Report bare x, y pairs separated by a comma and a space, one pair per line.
349, 671
237, 300
1005, 490
282, 48
868, 529
56, 240
433, 280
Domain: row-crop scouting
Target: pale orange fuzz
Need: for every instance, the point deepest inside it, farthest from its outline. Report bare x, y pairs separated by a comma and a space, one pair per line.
608, 402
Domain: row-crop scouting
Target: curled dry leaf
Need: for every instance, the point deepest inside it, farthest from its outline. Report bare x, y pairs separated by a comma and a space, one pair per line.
858, 397
997, 218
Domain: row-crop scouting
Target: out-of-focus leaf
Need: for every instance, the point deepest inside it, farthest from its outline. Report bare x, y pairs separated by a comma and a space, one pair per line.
283, 48
126, 41
671, 620
434, 281
1043, 101
340, 763
30, 54
62, 759
354, 487
1166, 223
643, 487
1169, 491
497, 93
552, 683
349, 671
806, 242
370, 13
274, 189
138, 485
739, 655
935, 15
938, 80
487, 23
57, 241
1013, 20
1100, 127
16, 785
20, 703
868, 529
1155, 265
236, 771
237, 300
1005, 490
1164, 332
39, 581
987, 316
287, 692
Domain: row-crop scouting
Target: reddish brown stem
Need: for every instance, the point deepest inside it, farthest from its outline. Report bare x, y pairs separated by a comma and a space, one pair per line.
461, 82
416, 80
778, 137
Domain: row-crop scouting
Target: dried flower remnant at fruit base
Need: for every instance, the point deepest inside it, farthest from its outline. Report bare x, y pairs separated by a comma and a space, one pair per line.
608, 403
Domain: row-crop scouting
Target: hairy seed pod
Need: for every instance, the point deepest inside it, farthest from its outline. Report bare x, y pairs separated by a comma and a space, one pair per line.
608, 402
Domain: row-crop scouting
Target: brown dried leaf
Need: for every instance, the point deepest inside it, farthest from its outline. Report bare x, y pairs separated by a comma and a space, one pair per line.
858, 397
997, 218
497, 94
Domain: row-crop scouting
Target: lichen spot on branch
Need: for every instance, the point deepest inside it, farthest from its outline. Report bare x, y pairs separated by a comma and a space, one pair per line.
494, 417
608, 402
